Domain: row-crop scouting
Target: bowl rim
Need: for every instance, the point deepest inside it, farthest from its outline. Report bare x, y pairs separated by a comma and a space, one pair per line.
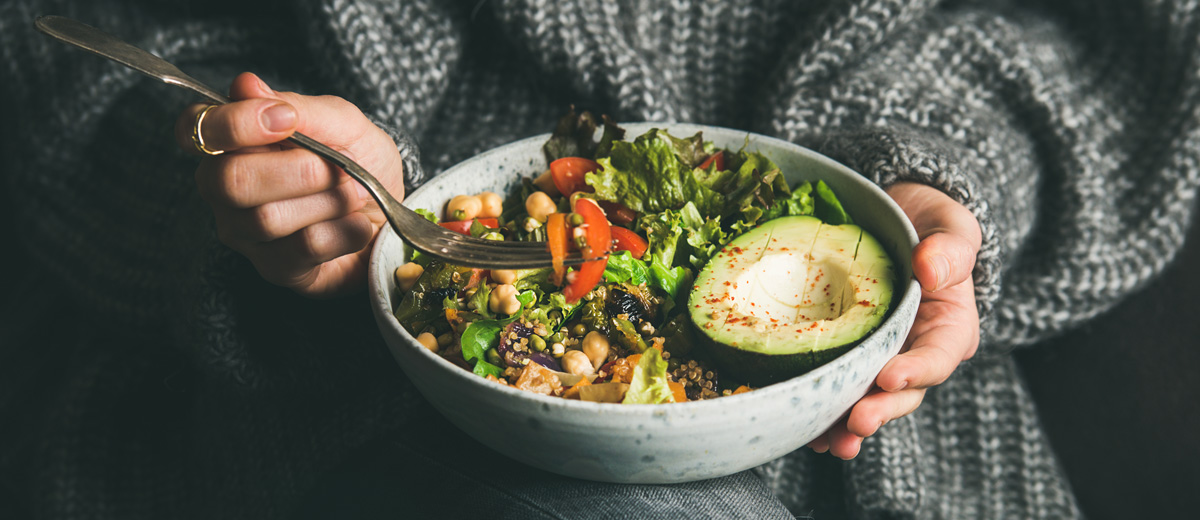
380, 300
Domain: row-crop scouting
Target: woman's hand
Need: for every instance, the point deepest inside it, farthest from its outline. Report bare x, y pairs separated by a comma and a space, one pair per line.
946, 331
301, 221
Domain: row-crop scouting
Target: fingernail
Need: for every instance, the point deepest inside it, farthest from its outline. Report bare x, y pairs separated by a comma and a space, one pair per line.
279, 118
903, 384
941, 271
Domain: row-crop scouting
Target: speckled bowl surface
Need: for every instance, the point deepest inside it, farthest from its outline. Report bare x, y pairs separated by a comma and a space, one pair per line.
651, 443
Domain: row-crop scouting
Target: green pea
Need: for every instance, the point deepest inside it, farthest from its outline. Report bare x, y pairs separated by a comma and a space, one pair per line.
579, 330
557, 337
493, 357
537, 342
575, 219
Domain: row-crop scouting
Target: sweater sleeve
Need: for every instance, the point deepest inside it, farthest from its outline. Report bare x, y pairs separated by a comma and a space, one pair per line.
104, 202
1069, 145
1068, 142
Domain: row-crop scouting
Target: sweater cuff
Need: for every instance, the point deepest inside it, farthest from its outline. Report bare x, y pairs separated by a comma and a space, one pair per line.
410, 153
889, 156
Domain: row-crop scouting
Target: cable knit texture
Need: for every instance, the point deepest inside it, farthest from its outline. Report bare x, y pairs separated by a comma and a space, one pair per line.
147, 372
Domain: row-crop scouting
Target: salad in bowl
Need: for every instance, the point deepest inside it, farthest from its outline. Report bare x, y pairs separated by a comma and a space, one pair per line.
712, 274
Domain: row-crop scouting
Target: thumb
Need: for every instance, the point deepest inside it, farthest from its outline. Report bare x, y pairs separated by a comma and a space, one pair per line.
949, 233
248, 85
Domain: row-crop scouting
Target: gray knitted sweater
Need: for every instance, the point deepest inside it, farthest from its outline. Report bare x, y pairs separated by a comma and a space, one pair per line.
145, 369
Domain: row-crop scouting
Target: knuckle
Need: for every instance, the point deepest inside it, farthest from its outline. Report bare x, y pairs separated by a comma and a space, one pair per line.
234, 181
310, 244
312, 173
268, 222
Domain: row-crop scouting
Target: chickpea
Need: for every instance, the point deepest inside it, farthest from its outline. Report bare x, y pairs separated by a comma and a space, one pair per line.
428, 341
539, 206
595, 347
504, 276
576, 362
503, 299
464, 207
490, 204
407, 274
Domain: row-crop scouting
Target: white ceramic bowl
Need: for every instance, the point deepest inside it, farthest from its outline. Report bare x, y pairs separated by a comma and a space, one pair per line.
651, 443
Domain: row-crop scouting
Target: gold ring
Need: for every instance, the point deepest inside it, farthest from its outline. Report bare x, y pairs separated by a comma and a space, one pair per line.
198, 139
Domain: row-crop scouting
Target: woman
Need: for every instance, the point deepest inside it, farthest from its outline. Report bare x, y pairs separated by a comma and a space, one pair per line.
1044, 162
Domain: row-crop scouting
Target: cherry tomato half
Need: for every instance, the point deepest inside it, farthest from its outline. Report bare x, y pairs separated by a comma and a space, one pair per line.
568, 174
626, 240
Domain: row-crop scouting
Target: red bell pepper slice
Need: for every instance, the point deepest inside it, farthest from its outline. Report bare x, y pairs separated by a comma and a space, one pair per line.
626, 240
598, 235
716, 158
464, 226
568, 174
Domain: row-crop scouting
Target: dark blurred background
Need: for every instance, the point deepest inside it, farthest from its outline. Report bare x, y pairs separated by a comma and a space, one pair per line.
1121, 403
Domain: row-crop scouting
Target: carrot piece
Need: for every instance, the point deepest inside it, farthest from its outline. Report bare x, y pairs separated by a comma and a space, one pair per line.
741, 390
573, 392
556, 235
677, 391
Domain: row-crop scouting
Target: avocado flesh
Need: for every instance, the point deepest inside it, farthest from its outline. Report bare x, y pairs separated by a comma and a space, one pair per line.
789, 295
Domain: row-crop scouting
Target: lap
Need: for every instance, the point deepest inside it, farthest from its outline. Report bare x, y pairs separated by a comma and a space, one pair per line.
437, 471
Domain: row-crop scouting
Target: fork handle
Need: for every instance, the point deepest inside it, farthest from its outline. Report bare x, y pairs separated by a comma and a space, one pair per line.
106, 45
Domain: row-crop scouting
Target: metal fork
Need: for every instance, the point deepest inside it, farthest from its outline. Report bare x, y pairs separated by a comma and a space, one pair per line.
419, 233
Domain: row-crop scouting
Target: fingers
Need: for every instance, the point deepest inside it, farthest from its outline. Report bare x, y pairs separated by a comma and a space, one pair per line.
261, 116
843, 444
238, 125
943, 259
879, 408
248, 180
279, 219
944, 335
329, 119
950, 235
296, 260
820, 444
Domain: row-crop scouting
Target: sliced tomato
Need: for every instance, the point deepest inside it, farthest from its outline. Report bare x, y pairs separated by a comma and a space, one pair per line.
568, 174
598, 235
626, 240
618, 213
556, 235
716, 158
464, 226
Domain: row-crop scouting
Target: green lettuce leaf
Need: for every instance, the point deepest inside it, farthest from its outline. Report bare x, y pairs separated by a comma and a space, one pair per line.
648, 175
483, 369
649, 385
623, 267
480, 299
480, 336
554, 311
828, 209
572, 137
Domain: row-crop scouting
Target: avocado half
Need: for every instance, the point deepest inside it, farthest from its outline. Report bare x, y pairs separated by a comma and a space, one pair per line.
790, 295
